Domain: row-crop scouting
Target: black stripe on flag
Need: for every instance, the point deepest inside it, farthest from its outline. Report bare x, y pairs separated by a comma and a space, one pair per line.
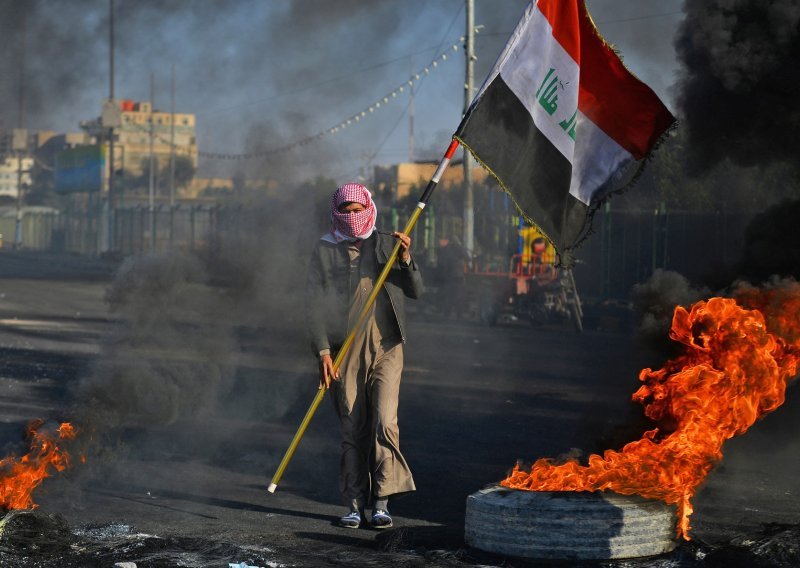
500, 132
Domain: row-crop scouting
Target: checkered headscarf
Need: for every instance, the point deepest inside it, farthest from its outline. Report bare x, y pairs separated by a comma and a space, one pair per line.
349, 226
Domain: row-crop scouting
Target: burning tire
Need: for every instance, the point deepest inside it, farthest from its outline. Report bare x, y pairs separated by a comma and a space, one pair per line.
566, 525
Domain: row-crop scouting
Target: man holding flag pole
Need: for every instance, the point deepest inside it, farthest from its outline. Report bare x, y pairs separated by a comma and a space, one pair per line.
366, 385
560, 123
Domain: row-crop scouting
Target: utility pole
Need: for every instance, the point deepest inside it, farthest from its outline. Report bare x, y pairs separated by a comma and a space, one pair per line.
111, 166
151, 186
411, 118
469, 198
18, 222
21, 117
172, 144
20, 138
172, 161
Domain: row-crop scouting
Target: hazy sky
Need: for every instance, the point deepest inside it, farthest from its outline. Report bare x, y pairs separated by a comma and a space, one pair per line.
261, 74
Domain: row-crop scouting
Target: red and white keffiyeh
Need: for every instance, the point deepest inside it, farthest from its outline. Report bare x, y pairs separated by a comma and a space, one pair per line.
352, 226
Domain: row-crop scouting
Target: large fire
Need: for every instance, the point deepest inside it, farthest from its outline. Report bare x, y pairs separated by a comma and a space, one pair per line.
739, 355
19, 477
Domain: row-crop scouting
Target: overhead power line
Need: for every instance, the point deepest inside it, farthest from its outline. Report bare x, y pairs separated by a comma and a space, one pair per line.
351, 120
321, 83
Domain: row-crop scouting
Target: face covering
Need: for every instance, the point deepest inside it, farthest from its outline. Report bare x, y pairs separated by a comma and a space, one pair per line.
352, 226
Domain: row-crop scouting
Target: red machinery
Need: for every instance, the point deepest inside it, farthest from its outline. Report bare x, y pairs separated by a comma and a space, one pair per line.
531, 290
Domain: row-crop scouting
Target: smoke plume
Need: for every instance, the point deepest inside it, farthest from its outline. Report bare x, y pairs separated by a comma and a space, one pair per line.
654, 302
192, 326
170, 357
772, 244
295, 68
738, 88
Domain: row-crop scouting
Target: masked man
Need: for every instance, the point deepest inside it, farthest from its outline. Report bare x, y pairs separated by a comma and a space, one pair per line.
346, 262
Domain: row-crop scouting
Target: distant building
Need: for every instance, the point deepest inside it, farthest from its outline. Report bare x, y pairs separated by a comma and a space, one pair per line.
47, 144
401, 179
132, 147
9, 175
38, 150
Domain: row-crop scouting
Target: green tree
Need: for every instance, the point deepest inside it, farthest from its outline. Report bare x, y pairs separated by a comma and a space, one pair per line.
184, 171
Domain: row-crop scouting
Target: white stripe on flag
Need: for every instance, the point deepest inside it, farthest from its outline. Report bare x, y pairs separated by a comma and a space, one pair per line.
542, 74
511, 45
598, 159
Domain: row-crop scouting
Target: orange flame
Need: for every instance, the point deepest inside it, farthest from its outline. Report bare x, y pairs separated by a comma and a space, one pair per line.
739, 356
19, 477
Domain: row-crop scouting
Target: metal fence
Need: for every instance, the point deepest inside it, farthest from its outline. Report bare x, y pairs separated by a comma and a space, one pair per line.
626, 248
139, 230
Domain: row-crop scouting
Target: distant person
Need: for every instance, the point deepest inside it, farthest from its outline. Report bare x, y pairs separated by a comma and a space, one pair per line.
345, 263
541, 263
453, 259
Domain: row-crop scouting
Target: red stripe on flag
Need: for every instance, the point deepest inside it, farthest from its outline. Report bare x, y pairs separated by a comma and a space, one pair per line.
610, 96
563, 18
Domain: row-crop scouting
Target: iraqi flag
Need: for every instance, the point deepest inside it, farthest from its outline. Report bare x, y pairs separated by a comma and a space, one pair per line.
560, 122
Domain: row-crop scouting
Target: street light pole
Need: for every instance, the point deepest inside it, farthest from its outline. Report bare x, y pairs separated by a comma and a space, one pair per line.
111, 167
172, 143
19, 139
18, 220
151, 192
469, 198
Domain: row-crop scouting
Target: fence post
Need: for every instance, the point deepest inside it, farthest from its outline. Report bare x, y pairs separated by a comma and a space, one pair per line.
605, 251
171, 225
191, 227
141, 229
660, 228
129, 226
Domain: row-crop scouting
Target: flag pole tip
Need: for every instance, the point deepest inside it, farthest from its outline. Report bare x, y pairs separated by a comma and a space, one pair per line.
272, 487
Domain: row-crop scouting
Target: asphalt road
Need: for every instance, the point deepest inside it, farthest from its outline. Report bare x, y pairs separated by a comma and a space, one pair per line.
474, 400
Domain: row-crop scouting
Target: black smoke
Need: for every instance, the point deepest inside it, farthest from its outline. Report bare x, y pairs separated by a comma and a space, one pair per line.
170, 357
654, 302
290, 69
738, 86
207, 342
772, 244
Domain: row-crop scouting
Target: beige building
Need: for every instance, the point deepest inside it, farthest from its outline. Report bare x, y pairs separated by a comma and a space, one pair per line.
10, 168
44, 138
401, 179
134, 135
132, 148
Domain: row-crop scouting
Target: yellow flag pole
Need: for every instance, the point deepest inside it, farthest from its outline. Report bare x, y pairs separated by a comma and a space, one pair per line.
362, 316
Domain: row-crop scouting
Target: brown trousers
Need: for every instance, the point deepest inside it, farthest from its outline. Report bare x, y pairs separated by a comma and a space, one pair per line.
366, 398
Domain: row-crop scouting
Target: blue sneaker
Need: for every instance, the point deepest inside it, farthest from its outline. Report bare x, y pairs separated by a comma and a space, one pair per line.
351, 520
381, 519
